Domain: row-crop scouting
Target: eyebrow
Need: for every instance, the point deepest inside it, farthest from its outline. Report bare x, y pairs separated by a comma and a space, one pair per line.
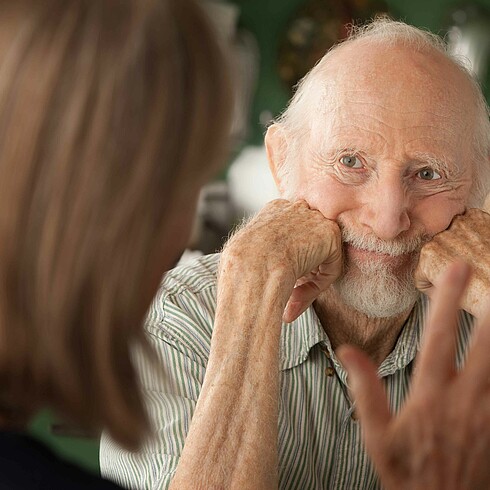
439, 164
335, 152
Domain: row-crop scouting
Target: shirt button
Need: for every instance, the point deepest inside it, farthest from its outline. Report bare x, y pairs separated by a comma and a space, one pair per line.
329, 371
353, 416
325, 351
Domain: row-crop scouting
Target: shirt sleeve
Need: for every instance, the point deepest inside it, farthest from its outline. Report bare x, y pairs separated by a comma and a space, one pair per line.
179, 332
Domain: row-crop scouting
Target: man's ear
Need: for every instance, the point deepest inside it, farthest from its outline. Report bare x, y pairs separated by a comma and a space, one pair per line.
276, 147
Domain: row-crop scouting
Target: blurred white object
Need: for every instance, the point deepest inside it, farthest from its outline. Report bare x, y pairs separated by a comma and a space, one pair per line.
214, 218
243, 55
250, 182
224, 17
469, 37
189, 256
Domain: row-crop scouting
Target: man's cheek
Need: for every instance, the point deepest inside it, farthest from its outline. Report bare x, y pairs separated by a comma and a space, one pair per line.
330, 198
435, 213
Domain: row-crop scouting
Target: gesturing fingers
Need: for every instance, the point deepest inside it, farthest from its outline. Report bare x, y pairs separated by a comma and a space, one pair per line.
440, 438
477, 370
436, 363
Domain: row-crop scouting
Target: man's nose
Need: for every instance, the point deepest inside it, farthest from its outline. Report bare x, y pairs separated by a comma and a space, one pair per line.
386, 208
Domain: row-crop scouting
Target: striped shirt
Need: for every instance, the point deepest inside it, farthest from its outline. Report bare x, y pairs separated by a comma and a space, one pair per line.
320, 443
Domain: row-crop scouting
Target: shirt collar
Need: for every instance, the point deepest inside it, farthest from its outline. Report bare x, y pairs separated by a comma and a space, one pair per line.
408, 342
298, 338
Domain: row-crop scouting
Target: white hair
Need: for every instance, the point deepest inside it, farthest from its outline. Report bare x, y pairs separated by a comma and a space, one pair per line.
295, 119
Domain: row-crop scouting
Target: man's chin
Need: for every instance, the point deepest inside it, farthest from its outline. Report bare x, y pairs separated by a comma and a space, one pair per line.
378, 289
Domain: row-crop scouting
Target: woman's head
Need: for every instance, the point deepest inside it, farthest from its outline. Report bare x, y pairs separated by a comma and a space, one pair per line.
112, 113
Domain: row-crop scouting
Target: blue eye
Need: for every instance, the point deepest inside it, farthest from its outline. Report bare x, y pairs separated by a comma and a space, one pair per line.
428, 174
351, 161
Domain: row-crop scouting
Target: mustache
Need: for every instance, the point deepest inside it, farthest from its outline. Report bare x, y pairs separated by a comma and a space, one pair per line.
371, 243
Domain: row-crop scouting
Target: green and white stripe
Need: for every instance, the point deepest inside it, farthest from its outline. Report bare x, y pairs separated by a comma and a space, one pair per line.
320, 443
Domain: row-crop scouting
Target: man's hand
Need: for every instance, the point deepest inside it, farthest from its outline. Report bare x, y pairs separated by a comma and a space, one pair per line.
441, 437
235, 424
294, 240
468, 239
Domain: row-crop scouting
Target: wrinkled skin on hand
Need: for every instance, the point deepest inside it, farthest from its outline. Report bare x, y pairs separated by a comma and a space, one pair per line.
440, 440
468, 239
289, 237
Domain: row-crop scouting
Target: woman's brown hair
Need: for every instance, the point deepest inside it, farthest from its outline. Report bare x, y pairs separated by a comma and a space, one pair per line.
108, 110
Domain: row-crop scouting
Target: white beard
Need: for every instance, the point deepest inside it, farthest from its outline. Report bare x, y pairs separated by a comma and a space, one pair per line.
374, 288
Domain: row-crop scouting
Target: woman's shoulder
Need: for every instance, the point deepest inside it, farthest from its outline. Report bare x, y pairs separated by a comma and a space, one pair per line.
26, 463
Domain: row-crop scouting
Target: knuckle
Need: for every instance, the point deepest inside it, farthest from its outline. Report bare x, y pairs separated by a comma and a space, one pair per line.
429, 249
276, 204
475, 212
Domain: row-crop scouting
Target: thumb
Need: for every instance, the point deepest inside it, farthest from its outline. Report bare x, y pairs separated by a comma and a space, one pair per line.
308, 289
301, 298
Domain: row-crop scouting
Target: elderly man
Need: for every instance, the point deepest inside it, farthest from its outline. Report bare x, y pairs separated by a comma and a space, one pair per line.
380, 155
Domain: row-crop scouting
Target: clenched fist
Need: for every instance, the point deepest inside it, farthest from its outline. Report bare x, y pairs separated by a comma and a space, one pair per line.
468, 239
290, 239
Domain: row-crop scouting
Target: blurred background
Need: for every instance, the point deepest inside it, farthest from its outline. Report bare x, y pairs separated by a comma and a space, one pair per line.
271, 45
